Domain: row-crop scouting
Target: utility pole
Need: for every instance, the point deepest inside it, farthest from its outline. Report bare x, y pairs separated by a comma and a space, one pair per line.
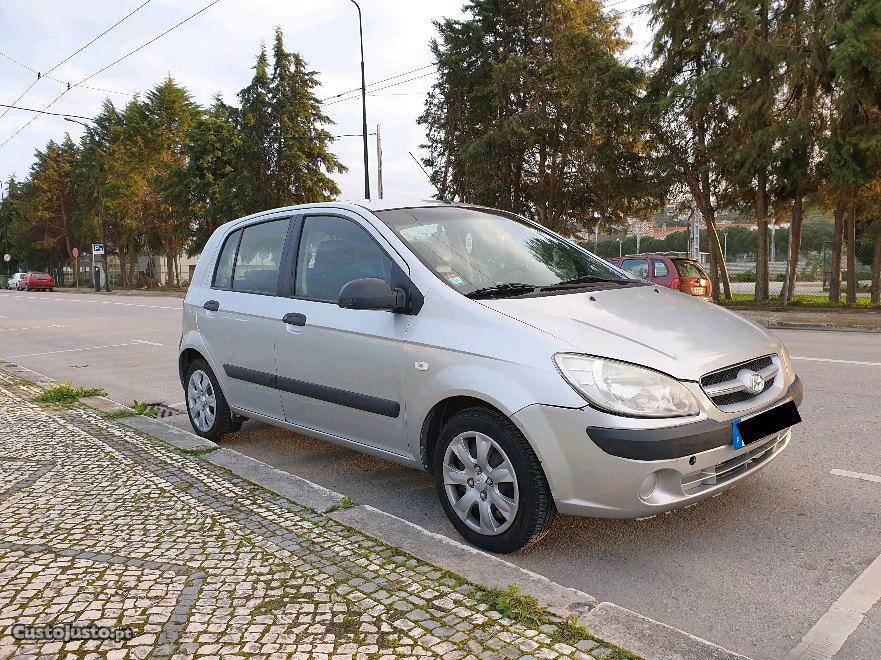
596, 237
363, 106
378, 161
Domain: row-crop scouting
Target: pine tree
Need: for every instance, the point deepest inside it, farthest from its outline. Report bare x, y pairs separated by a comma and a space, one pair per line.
257, 147
301, 159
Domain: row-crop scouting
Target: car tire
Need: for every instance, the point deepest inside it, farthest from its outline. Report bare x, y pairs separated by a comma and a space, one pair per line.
484, 522
210, 415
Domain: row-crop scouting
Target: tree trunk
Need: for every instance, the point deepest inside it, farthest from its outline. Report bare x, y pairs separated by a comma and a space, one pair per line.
835, 259
123, 264
795, 227
762, 248
876, 267
851, 256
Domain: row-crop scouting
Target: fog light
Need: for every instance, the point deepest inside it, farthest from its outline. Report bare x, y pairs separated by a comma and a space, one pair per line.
648, 486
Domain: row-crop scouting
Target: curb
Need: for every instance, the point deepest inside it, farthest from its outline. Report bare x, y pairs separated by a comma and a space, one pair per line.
646, 637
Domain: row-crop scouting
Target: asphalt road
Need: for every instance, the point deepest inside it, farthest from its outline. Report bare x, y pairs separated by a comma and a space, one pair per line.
752, 570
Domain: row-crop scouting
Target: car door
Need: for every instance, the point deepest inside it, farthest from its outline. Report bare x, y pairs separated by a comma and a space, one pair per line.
239, 319
340, 370
661, 272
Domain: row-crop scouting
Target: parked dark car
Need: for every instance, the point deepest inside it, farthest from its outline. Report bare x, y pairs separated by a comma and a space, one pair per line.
671, 271
36, 281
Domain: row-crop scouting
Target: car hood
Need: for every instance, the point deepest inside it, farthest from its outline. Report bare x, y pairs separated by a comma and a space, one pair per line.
651, 326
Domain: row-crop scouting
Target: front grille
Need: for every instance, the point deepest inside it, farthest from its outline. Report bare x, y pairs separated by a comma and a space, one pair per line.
725, 389
726, 471
740, 397
730, 373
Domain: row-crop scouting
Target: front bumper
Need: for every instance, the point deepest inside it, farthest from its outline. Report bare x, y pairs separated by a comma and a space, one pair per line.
635, 473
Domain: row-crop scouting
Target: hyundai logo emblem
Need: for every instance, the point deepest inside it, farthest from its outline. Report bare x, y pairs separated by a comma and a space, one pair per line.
755, 383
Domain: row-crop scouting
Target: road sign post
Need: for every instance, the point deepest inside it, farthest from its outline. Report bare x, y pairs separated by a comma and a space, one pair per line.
97, 250
75, 253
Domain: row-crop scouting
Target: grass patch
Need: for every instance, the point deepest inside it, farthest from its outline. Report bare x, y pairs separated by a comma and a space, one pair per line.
345, 503
512, 604
143, 409
809, 302
66, 394
122, 413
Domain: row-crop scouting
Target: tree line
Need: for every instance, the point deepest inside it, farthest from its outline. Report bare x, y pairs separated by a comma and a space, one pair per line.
759, 107
161, 173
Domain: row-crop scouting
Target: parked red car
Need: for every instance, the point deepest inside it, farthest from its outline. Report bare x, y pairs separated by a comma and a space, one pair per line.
36, 280
672, 271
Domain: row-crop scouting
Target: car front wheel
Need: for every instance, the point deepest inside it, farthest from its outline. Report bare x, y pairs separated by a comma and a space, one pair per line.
491, 483
207, 407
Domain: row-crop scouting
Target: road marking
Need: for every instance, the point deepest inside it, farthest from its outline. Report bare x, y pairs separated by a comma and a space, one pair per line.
95, 302
856, 475
830, 633
814, 359
134, 342
36, 327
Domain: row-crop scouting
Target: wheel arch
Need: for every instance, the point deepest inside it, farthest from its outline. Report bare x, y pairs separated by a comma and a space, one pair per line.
439, 414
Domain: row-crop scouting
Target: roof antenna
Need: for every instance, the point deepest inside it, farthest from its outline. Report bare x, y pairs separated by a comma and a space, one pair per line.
427, 175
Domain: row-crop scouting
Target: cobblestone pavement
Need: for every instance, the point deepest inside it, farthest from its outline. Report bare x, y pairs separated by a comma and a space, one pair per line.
101, 525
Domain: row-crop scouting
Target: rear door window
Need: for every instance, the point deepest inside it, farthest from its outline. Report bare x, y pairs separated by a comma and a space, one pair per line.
659, 268
223, 270
259, 257
636, 267
690, 269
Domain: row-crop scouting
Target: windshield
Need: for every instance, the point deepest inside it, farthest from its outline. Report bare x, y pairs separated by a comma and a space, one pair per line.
473, 250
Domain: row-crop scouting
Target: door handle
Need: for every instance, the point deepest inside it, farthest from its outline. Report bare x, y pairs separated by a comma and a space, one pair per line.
211, 305
294, 319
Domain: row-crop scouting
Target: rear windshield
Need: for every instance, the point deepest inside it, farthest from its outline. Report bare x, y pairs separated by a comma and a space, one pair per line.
689, 269
40, 274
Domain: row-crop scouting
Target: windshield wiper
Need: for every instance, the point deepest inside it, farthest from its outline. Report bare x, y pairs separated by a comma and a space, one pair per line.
584, 279
502, 290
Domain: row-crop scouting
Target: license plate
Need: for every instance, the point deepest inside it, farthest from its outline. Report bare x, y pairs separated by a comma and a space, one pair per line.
764, 424
698, 290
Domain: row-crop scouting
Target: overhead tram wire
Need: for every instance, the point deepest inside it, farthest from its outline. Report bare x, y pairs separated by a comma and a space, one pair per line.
54, 79
104, 68
69, 57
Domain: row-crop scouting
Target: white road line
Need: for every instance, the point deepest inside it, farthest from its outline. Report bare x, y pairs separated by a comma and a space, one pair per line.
814, 359
95, 302
36, 327
830, 633
856, 475
134, 342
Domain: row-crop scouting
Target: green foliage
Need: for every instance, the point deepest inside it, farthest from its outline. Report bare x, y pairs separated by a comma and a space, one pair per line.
533, 111
122, 413
160, 174
512, 604
65, 394
143, 409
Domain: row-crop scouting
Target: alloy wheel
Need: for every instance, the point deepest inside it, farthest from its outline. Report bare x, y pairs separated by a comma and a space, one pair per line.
201, 401
480, 483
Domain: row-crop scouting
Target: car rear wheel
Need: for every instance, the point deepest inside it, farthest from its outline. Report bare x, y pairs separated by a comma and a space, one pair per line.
207, 407
490, 482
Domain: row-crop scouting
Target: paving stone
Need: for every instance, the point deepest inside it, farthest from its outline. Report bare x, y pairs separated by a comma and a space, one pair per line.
104, 524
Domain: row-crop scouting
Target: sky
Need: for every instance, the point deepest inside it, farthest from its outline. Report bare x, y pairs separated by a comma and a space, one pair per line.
215, 52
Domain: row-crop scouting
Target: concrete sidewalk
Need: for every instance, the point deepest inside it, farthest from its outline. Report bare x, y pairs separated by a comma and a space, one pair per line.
803, 318
105, 525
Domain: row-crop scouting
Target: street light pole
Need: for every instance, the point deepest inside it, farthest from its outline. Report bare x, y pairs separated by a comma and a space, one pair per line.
103, 228
363, 106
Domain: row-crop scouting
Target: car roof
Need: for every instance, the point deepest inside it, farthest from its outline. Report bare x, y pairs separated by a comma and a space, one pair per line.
655, 255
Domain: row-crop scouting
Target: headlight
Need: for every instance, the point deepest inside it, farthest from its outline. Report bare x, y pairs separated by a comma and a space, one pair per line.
626, 389
785, 362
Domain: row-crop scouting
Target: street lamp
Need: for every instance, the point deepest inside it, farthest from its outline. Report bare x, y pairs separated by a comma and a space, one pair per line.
363, 106
103, 228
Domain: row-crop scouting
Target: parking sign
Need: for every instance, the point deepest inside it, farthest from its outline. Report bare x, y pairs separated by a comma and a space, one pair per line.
97, 248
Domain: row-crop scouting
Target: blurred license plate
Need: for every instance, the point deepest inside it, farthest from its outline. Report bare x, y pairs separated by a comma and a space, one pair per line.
766, 423
698, 290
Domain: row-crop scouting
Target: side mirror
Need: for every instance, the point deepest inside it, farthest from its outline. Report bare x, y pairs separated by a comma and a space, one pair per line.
371, 293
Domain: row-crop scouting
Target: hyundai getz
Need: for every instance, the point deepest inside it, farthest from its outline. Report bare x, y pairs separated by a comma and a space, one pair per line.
527, 375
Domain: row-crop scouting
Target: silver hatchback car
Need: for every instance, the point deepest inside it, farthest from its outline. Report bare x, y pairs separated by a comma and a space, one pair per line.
527, 375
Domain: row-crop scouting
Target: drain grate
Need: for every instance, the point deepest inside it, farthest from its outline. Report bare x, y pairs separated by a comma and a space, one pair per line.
164, 410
